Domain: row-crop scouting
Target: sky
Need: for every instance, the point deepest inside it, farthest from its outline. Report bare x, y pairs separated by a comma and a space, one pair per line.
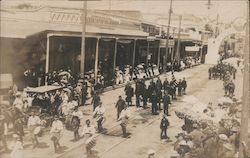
228, 10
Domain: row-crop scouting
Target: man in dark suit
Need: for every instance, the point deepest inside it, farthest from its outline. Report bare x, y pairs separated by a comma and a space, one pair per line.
166, 102
184, 86
129, 91
164, 125
120, 106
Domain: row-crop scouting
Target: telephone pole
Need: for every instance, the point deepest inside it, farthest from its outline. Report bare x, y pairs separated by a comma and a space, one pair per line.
168, 27
177, 56
84, 19
246, 96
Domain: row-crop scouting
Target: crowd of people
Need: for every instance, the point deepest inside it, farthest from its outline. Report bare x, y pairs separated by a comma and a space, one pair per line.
226, 73
62, 105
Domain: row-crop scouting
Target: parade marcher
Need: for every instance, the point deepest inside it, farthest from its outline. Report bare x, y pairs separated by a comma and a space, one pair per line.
89, 135
76, 121
56, 133
172, 91
164, 125
120, 106
125, 114
17, 147
34, 128
184, 86
166, 85
179, 87
95, 100
153, 99
99, 115
158, 91
129, 91
3, 132
166, 101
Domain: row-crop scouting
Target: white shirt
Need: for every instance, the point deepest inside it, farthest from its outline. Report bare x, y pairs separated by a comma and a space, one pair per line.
125, 114
57, 126
88, 130
33, 120
78, 114
99, 110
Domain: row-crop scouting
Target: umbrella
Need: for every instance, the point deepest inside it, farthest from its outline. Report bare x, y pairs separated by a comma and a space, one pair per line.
64, 73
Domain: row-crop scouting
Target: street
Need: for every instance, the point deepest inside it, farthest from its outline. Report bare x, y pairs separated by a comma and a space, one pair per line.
145, 127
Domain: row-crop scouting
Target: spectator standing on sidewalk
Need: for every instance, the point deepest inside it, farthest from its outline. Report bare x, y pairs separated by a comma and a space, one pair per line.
125, 115
33, 126
129, 91
120, 105
138, 92
99, 115
164, 125
56, 133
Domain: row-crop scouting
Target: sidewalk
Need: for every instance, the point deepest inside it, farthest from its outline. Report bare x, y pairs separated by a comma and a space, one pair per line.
67, 143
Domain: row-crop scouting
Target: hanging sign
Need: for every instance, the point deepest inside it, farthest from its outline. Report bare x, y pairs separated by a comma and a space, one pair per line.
163, 43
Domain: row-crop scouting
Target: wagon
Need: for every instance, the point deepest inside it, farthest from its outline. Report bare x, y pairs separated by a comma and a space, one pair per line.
44, 109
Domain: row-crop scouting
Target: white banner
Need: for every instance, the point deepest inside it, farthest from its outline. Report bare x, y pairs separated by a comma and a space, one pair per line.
192, 48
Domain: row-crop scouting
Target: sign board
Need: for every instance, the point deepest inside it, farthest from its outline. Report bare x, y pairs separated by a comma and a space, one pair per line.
151, 38
192, 48
163, 43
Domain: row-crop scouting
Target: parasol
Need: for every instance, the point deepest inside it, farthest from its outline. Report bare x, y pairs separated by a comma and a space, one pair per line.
64, 73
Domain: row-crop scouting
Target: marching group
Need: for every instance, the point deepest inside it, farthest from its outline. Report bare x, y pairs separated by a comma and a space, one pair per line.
63, 107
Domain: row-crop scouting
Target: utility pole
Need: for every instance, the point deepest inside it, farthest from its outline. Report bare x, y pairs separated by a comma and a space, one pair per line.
169, 19
246, 96
177, 56
84, 19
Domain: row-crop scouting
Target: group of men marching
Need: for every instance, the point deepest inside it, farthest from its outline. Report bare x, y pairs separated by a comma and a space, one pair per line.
157, 92
220, 70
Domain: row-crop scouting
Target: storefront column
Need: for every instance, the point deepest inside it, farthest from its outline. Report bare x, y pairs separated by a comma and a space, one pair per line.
159, 55
47, 60
201, 53
116, 39
147, 54
96, 59
133, 60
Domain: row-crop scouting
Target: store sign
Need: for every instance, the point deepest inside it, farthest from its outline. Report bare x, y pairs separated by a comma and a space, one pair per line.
163, 43
151, 38
92, 18
192, 48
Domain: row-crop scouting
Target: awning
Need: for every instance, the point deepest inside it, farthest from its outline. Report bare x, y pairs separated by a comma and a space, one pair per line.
12, 28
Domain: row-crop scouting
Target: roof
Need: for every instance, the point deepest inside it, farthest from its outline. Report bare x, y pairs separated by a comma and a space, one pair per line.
14, 28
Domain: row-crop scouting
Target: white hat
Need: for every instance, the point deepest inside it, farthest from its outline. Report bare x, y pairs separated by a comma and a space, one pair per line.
223, 137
